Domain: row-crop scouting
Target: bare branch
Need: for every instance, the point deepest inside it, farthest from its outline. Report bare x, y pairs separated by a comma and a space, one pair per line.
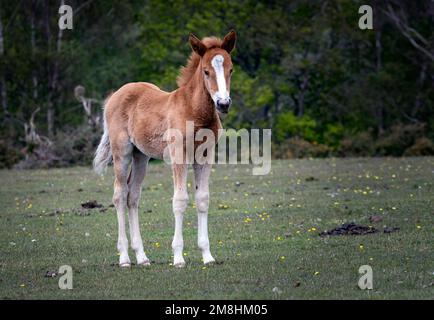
410, 33
82, 6
79, 93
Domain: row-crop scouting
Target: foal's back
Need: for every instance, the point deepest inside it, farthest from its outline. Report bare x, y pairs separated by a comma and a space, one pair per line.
137, 114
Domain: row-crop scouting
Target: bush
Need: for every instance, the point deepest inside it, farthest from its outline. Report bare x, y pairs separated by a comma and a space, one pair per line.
398, 139
38, 157
73, 146
422, 147
361, 144
333, 134
8, 154
76, 146
288, 125
300, 148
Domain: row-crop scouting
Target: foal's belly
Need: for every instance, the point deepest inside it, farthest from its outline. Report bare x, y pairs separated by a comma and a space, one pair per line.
153, 148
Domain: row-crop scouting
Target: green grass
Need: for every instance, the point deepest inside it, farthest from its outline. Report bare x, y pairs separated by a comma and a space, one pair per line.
263, 233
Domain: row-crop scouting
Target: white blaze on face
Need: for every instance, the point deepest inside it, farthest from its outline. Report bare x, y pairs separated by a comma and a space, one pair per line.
217, 64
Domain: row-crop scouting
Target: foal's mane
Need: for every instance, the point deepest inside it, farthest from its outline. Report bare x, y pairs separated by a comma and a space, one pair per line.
187, 72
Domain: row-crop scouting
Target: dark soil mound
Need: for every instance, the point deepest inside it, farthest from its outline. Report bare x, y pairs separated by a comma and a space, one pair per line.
350, 229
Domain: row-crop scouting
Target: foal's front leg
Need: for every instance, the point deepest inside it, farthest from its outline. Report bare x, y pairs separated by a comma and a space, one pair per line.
201, 174
180, 200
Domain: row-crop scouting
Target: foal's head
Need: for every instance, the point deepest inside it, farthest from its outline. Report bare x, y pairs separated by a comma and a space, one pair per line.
216, 67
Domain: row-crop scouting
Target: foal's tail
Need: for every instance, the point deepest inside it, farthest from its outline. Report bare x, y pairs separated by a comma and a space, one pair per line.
103, 154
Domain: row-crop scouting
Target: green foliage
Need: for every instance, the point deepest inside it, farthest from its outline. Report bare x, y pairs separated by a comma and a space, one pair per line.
333, 133
288, 125
302, 68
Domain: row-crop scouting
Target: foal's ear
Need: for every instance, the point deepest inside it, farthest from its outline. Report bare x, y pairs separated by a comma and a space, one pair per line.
229, 40
197, 45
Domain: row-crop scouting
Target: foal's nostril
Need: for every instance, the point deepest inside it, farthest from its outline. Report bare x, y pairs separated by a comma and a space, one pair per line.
223, 105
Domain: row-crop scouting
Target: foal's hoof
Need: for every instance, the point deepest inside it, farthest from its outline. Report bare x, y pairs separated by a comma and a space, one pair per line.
179, 265
125, 265
209, 262
208, 259
144, 263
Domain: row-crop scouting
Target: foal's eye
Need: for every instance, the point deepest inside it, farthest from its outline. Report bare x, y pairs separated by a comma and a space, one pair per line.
206, 72
230, 71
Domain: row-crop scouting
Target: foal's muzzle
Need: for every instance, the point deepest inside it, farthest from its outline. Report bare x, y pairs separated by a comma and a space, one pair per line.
223, 105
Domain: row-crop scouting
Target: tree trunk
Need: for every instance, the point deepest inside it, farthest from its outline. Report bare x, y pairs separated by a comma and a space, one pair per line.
303, 87
33, 50
56, 60
50, 108
378, 63
3, 92
54, 76
418, 100
378, 50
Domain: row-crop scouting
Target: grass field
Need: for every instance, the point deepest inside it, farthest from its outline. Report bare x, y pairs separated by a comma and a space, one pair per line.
263, 232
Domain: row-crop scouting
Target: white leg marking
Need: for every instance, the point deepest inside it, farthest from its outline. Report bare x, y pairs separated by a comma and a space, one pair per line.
138, 173
180, 200
124, 260
120, 201
202, 173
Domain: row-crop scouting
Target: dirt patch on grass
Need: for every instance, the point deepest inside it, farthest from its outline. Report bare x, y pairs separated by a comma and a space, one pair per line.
86, 209
349, 229
353, 229
91, 205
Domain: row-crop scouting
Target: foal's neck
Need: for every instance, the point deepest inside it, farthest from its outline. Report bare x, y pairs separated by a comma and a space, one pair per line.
202, 106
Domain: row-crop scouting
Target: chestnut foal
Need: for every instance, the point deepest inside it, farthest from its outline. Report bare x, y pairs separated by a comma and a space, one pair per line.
136, 118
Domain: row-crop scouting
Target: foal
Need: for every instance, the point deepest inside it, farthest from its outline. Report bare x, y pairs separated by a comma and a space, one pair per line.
136, 118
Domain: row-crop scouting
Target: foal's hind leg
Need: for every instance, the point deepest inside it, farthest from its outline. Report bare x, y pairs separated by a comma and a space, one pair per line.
121, 149
138, 172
